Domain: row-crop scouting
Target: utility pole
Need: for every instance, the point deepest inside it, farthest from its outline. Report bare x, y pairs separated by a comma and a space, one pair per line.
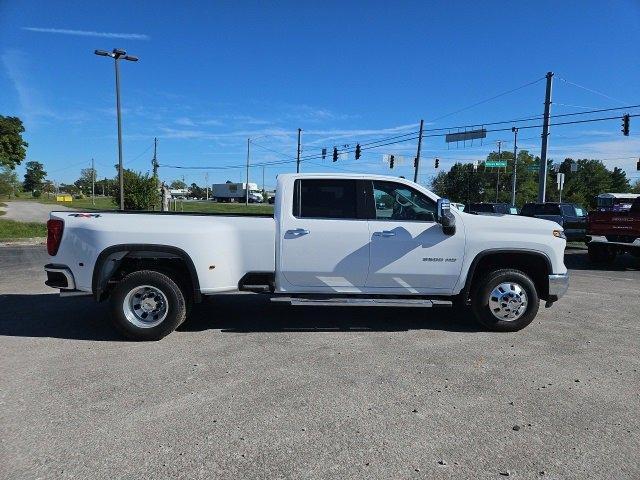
298, 157
515, 165
93, 183
499, 142
417, 160
263, 180
154, 163
206, 184
246, 190
542, 178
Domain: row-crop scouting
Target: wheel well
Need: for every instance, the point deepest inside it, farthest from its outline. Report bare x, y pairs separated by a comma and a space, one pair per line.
114, 264
535, 265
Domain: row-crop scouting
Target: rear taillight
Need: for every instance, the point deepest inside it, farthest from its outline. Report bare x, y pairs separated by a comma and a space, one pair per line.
54, 235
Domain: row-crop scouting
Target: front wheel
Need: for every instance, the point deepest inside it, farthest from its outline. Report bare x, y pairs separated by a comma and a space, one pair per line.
147, 305
505, 301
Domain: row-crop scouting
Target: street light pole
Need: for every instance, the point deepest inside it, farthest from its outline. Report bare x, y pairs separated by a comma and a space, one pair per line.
119, 115
117, 54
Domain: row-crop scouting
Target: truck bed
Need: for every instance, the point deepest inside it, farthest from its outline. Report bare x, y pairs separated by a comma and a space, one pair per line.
223, 247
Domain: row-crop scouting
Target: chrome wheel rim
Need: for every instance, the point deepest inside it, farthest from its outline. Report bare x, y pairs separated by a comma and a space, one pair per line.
508, 301
145, 306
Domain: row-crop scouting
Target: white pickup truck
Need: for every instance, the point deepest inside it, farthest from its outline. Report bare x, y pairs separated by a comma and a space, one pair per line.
333, 240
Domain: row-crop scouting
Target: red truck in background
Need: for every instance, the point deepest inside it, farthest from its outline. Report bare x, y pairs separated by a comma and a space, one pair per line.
610, 233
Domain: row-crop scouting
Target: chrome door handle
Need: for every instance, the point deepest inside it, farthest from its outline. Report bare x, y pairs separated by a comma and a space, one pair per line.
384, 233
297, 231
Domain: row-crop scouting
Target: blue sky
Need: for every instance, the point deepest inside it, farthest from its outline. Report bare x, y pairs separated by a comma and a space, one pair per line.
212, 74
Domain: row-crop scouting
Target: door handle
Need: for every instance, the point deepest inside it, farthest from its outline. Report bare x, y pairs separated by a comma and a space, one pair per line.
384, 233
297, 231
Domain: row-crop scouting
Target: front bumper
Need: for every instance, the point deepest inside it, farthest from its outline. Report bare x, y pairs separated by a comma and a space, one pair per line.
558, 286
59, 276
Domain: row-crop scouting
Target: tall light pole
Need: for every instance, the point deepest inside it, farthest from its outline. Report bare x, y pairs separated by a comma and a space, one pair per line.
117, 54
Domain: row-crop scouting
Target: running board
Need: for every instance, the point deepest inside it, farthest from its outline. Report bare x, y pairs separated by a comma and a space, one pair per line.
364, 302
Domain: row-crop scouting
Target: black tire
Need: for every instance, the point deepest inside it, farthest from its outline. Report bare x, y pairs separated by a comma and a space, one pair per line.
481, 296
601, 254
176, 307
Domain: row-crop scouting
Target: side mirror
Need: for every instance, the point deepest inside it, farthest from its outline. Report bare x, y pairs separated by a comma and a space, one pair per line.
445, 217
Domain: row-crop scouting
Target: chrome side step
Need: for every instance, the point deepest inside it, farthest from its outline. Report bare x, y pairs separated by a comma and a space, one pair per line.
363, 302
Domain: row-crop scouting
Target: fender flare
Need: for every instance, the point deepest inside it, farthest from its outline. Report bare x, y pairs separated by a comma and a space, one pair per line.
99, 279
493, 251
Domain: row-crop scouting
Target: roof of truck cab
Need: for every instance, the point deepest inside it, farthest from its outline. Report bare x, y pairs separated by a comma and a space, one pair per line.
343, 175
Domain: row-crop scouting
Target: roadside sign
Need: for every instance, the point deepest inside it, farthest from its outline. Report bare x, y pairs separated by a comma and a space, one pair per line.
495, 163
464, 136
560, 181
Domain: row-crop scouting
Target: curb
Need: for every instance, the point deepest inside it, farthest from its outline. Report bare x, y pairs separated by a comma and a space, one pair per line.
23, 242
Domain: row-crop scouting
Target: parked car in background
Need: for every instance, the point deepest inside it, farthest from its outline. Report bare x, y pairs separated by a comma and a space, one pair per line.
616, 202
572, 217
612, 232
491, 208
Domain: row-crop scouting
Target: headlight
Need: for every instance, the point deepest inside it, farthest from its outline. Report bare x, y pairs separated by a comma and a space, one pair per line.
559, 234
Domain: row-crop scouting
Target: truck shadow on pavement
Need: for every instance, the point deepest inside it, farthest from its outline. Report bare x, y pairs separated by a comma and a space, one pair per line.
80, 318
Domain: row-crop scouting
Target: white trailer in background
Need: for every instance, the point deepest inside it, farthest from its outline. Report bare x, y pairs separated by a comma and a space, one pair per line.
235, 192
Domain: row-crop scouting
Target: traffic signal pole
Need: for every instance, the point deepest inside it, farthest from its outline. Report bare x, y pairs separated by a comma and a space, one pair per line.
417, 161
542, 174
298, 156
515, 165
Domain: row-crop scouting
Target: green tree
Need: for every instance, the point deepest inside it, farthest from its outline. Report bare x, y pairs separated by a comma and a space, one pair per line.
105, 186
636, 187
591, 179
178, 185
619, 181
9, 183
84, 182
34, 176
140, 191
48, 187
13, 148
69, 188
196, 191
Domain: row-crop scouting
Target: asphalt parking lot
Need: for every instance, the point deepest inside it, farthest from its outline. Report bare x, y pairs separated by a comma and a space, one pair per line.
250, 390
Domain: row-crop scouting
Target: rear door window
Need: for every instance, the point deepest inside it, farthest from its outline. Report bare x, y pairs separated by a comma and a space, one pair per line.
548, 209
331, 199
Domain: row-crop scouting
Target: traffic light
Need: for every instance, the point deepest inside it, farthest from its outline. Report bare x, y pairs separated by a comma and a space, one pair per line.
638, 165
625, 125
415, 162
437, 163
391, 161
324, 153
358, 151
335, 154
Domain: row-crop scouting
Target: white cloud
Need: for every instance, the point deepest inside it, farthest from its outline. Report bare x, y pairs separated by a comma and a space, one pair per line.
185, 122
31, 105
88, 33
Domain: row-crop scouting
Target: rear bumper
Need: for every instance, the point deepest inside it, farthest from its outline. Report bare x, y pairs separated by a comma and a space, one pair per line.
604, 240
558, 286
59, 276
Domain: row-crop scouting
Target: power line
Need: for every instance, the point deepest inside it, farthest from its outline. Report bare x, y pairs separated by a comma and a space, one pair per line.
382, 142
489, 99
590, 90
